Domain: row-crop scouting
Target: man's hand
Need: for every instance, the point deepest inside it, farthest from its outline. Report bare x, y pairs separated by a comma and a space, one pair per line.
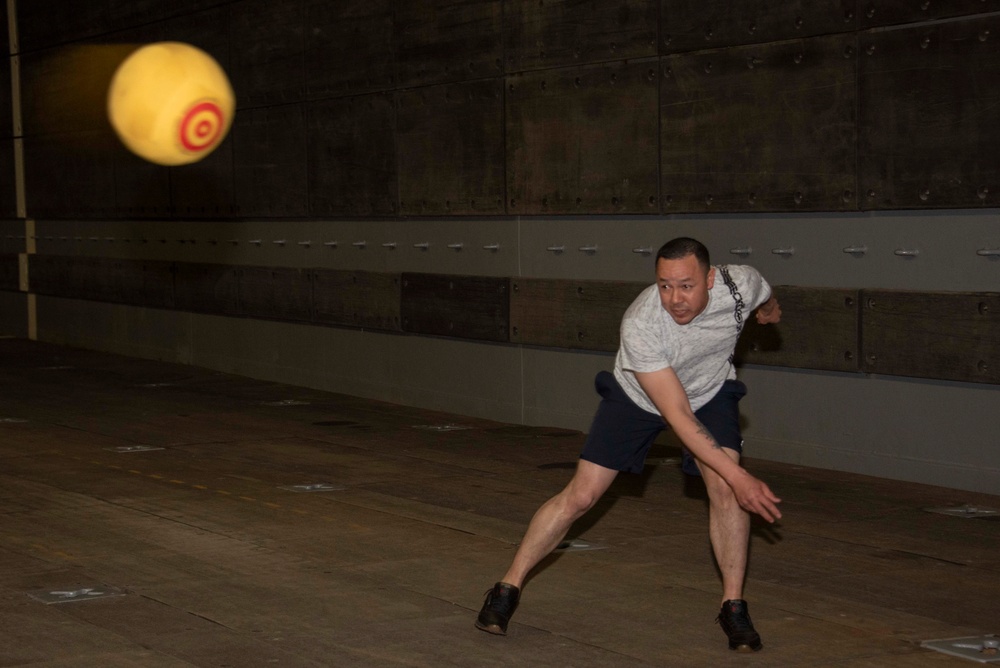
769, 312
667, 394
756, 497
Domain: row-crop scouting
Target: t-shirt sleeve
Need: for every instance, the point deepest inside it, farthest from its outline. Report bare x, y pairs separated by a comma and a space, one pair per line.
642, 348
756, 290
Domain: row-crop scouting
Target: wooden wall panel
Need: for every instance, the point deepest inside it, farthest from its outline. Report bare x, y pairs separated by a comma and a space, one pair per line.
206, 288
875, 13
90, 278
4, 35
761, 128
926, 95
6, 116
945, 335
468, 307
451, 143
10, 272
8, 189
439, 41
118, 281
129, 13
569, 314
202, 23
349, 48
270, 161
142, 189
147, 283
819, 329
940, 335
558, 33
365, 299
8, 184
205, 189
43, 23
578, 139
352, 156
267, 65
277, 293
54, 275
692, 25
70, 175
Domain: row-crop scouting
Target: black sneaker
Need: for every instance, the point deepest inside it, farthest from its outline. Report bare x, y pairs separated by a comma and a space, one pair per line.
735, 621
501, 602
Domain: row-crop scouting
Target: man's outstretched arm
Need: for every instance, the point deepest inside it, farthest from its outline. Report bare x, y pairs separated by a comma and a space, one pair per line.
665, 390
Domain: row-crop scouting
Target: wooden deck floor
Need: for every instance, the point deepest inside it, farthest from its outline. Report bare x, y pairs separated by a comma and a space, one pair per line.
220, 561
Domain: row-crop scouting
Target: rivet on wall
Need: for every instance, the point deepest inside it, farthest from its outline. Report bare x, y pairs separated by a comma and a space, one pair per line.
906, 252
856, 249
745, 250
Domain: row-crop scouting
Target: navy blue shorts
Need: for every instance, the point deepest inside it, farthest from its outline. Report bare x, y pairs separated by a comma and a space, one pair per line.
622, 433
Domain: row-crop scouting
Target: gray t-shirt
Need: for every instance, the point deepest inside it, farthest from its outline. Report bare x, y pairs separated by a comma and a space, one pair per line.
699, 352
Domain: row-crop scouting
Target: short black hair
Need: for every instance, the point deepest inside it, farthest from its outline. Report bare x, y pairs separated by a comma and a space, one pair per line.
681, 247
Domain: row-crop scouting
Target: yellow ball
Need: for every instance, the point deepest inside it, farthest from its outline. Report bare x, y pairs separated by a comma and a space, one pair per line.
170, 103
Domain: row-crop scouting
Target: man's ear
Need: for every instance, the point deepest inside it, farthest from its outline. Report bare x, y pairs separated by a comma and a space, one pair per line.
711, 278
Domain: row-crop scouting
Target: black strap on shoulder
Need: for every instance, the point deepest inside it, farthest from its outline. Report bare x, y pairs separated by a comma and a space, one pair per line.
737, 297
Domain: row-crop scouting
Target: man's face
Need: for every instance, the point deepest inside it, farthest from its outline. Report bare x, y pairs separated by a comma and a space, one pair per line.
684, 287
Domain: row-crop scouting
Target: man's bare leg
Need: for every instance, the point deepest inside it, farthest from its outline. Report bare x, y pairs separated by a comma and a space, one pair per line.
554, 518
546, 529
729, 531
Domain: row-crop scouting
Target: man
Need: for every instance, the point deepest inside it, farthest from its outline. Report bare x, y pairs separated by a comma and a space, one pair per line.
674, 367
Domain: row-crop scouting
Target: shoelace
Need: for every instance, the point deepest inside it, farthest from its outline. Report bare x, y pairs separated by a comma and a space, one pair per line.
500, 604
737, 621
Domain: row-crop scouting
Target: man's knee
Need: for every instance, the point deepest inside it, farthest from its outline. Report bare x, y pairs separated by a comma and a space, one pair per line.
584, 491
720, 494
579, 498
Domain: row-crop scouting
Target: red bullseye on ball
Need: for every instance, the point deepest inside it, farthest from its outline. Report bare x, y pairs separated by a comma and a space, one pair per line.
201, 126
171, 103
